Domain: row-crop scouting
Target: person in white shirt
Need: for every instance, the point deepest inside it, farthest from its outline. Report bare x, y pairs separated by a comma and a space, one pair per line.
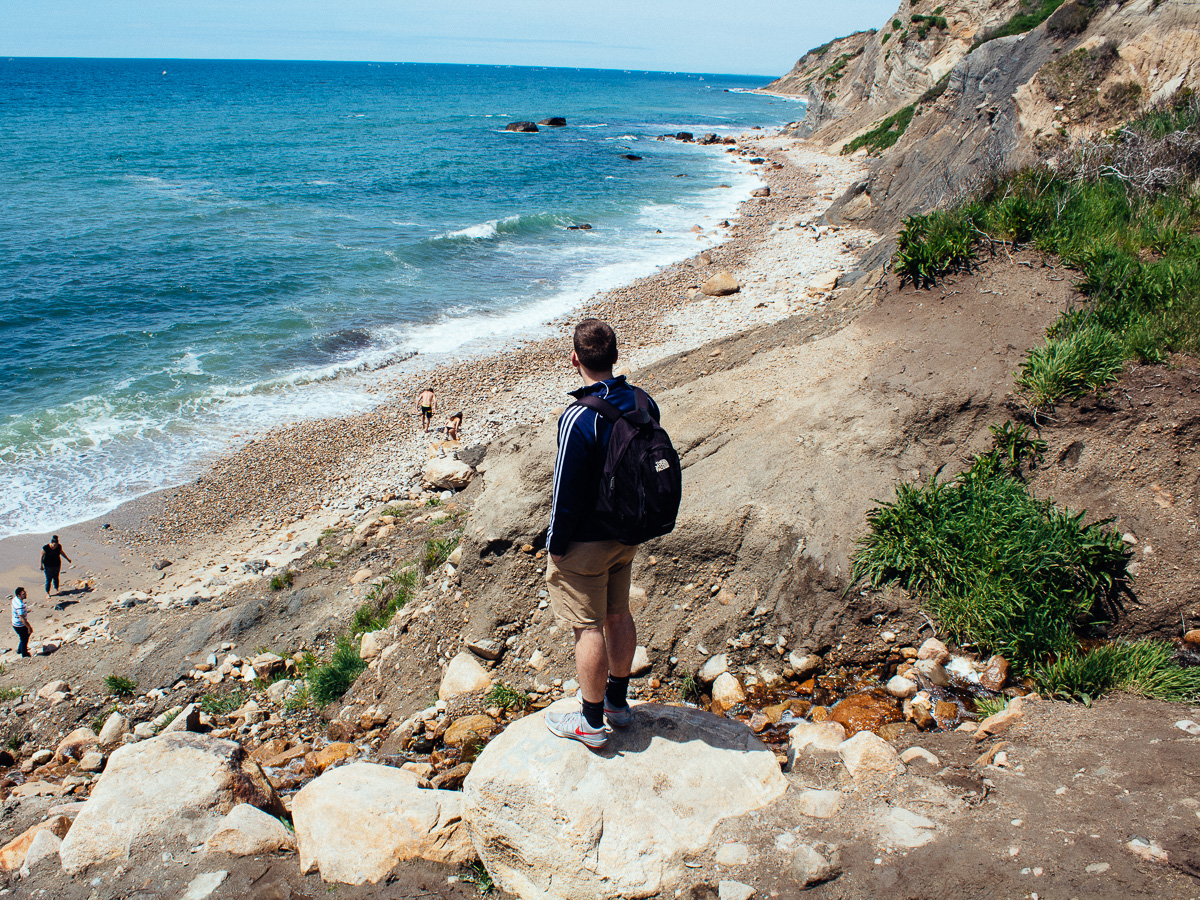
20, 621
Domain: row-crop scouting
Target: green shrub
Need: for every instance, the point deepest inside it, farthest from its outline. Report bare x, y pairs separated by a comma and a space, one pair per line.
329, 682
506, 697
120, 686
1145, 667
886, 37
989, 706
279, 582
897, 24
1032, 14
1070, 19
10, 693
436, 552
222, 704
1015, 446
995, 565
385, 600
883, 135
1069, 367
478, 875
931, 246
936, 91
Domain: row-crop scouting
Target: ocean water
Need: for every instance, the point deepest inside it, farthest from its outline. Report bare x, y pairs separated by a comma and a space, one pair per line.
194, 251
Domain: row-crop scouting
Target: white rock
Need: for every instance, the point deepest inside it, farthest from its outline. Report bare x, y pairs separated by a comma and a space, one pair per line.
641, 663
45, 846
734, 890
116, 726
355, 822
554, 820
816, 737
371, 644
463, 676
733, 853
867, 755
804, 664
720, 285
912, 754
713, 666
443, 472
897, 827
49, 689
280, 690
202, 886
727, 693
823, 283
248, 831
899, 686
175, 785
935, 650
1189, 726
933, 672
810, 865
820, 804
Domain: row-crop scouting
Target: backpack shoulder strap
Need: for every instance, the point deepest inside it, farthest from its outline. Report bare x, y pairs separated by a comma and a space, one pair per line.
602, 406
643, 402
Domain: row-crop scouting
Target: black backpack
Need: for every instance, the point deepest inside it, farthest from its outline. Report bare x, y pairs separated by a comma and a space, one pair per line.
641, 485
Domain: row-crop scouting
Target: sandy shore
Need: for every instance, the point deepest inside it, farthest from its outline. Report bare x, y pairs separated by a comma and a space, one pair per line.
267, 502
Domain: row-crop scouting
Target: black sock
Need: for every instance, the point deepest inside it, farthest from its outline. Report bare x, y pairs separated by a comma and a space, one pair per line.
616, 690
594, 713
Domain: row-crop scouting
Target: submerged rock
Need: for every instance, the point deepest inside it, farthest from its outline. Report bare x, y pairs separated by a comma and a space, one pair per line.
523, 127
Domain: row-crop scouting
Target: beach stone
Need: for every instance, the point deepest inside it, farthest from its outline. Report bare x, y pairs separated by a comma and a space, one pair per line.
267, 664
77, 744
248, 831
355, 823
523, 127
734, 890
187, 719
935, 650
899, 828
811, 865
712, 668
901, 687
92, 762
733, 853
202, 886
44, 846
116, 726
486, 649
554, 122
720, 285
995, 674
816, 737
761, 192
446, 473
823, 283
867, 755
727, 692
804, 664
641, 663
553, 819
1192, 637
12, 854
1001, 721
370, 646
820, 804
932, 672
48, 690
463, 676
328, 756
172, 786
464, 730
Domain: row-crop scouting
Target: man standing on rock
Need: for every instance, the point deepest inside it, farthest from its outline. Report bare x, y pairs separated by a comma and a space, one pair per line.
592, 546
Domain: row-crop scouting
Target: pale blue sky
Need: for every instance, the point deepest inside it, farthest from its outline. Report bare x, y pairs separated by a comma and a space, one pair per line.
763, 37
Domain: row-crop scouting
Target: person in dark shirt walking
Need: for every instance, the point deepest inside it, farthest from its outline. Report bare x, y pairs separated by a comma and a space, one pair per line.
52, 556
589, 574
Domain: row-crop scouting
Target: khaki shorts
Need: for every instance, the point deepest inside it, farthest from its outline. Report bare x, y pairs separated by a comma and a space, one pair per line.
590, 582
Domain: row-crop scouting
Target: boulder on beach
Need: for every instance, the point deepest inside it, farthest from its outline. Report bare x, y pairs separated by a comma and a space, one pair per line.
554, 122
248, 831
448, 474
522, 127
356, 822
554, 820
463, 676
173, 787
720, 285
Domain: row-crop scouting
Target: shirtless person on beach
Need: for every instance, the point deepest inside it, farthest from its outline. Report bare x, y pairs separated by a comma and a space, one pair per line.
426, 405
453, 424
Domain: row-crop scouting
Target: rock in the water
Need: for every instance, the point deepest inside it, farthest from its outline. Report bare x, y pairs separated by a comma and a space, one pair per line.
761, 192
463, 676
820, 804
713, 666
356, 822
995, 673
554, 122
932, 672
248, 831
554, 820
867, 755
727, 692
116, 726
447, 474
721, 285
804, 664
813, 864
641, 663
523, 127
821, 737
864, 712
899, 686
935, 650
174, 785
77, 744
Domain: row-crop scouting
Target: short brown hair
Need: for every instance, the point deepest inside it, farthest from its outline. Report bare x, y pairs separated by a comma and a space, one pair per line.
596, 344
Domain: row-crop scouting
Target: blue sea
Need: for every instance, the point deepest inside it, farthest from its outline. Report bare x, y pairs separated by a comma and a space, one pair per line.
194, 251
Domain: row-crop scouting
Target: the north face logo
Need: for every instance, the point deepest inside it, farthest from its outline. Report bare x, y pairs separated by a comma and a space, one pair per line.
661, 466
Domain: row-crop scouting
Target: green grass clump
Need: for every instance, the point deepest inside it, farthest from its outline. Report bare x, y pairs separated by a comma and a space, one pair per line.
10, 693
989, 706
330, 681
120, 686
932, 246
1032, 14
506, 697
384, 601
1144, 667
1016, 446
222, 704
436, 552
1069, 367
924, 23
995, 565
279, 582
478, 875
883, 135
689, 689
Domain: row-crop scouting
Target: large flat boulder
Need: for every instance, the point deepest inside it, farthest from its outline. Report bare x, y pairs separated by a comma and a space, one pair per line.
554, 820
354, 824
447, 473
175, 786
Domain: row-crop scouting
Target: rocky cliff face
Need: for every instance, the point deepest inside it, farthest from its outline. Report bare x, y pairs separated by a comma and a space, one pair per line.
969, 112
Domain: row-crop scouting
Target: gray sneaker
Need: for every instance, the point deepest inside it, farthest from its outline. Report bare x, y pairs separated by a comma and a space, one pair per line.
618, 716
575, 727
